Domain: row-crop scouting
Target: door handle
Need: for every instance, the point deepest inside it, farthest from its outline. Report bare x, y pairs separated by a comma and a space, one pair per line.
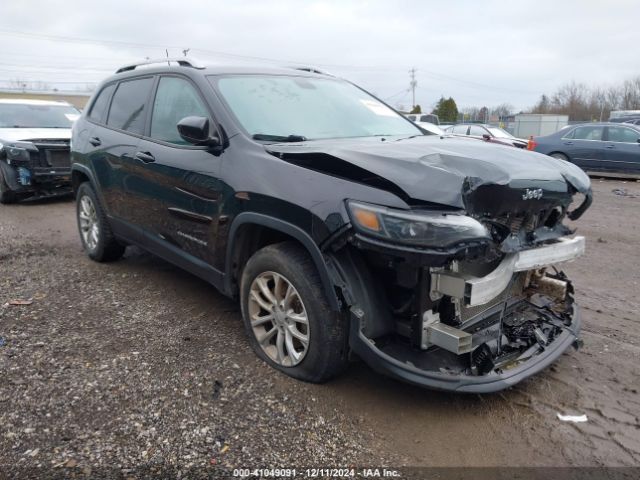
146, 157
95, 141
568, 143
610, 146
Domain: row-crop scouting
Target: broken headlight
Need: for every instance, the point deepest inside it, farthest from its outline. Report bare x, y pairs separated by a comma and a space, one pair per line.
14, 152
423, 228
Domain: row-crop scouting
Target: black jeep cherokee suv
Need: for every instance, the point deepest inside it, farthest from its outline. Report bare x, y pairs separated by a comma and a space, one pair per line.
338, 224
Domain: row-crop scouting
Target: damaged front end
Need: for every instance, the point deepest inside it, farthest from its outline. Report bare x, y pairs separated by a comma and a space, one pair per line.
36, 167
468, 301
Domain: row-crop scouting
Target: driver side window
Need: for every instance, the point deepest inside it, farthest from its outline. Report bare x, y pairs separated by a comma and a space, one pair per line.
176, 99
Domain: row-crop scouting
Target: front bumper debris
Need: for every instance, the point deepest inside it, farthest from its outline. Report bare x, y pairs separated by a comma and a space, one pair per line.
387, 364
484, 326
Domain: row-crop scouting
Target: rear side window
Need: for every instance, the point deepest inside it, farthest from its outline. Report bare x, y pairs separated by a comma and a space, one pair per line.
623, 135
460, 129
587, 133
477, 131
99, 109
128, 107
176, 99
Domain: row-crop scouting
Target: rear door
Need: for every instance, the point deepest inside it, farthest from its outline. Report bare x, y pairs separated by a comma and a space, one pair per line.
113, 144
621, 149
179, 189
583, 145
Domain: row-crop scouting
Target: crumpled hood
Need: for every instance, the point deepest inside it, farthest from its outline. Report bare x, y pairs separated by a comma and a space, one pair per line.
28, 134
441, 170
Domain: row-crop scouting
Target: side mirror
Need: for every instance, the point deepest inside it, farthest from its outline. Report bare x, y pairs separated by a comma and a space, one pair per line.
195, 130
486, 137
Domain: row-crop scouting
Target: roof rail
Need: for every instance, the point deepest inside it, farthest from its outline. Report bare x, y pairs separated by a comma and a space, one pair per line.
182, 61
313, 70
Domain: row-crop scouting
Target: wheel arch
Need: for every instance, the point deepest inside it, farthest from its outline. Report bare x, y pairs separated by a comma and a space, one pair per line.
79, 175
251, 231
559, 152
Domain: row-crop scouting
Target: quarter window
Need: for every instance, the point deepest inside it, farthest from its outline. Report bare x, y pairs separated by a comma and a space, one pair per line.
623, 135
128, 107
587, 133
176, 99
101, 104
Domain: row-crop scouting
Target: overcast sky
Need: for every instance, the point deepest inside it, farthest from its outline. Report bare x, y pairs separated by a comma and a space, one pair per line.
479, 52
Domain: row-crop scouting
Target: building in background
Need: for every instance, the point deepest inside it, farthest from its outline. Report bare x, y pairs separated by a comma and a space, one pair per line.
538, 124
77, 99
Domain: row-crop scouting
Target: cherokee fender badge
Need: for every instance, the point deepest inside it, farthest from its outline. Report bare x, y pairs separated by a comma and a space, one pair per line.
532, 193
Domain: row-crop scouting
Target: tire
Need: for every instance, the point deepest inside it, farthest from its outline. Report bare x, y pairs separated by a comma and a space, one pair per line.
560, 156
101, 245
7, 196
326, 351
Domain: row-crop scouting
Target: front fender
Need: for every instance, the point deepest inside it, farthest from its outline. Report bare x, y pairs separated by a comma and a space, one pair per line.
289, 229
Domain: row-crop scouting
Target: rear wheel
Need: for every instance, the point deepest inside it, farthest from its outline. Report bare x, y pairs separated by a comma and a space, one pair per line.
6, 194
287, 318
560, 156
95, 232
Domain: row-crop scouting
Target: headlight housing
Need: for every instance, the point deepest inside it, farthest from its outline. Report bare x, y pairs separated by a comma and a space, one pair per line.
17, 152
423, 228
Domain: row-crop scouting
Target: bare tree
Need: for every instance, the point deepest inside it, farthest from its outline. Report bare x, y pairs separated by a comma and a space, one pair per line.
585, 103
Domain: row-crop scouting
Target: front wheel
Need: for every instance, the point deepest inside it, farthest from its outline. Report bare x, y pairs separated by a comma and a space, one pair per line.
287, 318
560, 156
95, 232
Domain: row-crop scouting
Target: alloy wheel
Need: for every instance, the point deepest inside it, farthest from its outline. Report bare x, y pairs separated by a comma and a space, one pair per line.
89, 226
278, 319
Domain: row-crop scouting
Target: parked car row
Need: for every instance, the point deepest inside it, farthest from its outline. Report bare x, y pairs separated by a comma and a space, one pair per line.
487, 133
597, 147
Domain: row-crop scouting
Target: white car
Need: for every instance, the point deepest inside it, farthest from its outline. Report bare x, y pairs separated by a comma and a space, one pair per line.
34, 147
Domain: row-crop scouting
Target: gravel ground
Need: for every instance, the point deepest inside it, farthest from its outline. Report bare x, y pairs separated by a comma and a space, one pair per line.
116, 366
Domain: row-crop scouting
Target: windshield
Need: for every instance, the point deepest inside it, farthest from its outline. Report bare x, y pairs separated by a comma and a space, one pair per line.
295, 108
499, 133
21, 115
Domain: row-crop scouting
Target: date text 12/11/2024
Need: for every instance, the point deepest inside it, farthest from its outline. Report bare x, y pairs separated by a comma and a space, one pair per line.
315, 473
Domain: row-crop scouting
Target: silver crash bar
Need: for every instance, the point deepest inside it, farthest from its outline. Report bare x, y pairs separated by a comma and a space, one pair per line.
480, 290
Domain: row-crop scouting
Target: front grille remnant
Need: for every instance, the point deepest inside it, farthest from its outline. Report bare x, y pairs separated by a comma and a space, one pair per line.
52, 154
516, 289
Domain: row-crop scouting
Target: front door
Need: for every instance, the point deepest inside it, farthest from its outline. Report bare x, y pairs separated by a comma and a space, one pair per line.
179, 191
584, 146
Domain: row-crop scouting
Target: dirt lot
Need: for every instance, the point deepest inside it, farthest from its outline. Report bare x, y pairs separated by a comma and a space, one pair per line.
137, 362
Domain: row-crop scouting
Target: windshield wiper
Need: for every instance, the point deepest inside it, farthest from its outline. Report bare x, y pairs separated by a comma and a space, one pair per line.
279, 138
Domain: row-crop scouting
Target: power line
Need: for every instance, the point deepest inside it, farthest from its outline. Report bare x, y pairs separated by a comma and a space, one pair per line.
404, 90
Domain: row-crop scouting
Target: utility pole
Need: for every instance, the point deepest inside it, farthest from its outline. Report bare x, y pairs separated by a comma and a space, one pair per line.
413, 84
